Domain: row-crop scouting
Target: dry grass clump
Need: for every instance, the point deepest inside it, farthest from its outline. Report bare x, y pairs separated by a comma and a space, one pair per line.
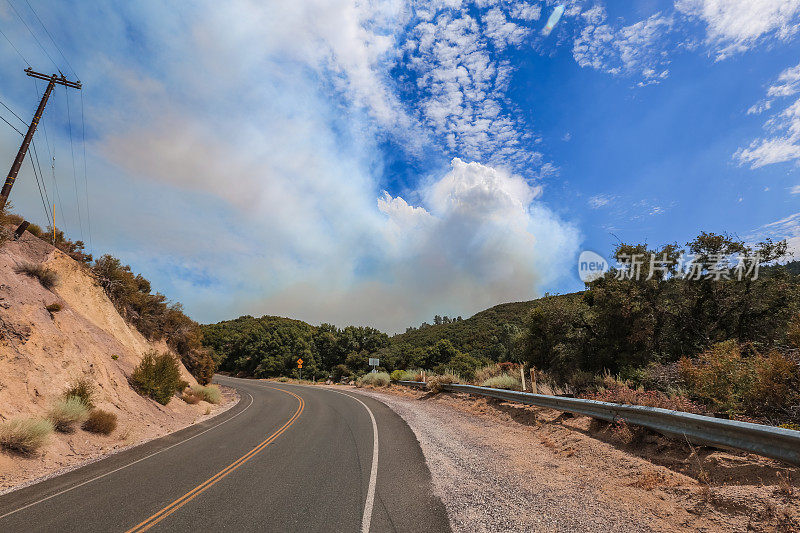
53, 309
785, 487
435, 383
503, 381
190, 397
620, 392
208, 393
651, 479
378, 379
100, 421
82, 389
487, 372
46, 277
25, 435
65, 414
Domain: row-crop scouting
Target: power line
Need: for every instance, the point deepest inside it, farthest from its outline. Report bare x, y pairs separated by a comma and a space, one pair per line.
15, 48
10, 124
39, 185
32, 34
12, 112
85, 180
52, 157
74, 172
51, 39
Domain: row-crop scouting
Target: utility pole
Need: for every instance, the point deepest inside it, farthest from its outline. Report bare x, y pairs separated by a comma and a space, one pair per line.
52, 81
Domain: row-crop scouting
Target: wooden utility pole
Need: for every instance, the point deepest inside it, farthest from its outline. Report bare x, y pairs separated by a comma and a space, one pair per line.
52, 81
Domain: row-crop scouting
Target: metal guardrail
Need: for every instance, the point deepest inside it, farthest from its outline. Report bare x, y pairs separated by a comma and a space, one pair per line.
769, 441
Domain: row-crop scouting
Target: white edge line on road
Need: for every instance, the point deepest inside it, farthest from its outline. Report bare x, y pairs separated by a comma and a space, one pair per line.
127, 465
373, 475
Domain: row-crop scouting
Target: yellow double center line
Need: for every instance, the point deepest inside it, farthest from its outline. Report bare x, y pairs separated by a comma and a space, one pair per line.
189, 496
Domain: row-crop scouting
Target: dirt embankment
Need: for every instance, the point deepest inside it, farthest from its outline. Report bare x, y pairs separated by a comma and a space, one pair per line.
508, 467
42, 352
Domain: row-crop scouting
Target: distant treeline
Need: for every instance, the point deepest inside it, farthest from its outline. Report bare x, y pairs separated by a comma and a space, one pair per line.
616, 325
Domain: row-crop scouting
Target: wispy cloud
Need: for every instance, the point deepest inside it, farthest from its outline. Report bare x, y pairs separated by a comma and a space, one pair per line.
734, 26
600, 200
636, 49
782, 142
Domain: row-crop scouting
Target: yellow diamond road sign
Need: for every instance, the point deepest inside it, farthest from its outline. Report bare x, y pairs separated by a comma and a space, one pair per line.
300, 363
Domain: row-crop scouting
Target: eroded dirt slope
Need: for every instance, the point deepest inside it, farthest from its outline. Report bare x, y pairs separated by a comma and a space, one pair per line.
42, 353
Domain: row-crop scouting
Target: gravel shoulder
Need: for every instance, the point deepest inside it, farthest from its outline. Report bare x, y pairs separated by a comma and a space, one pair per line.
506, 467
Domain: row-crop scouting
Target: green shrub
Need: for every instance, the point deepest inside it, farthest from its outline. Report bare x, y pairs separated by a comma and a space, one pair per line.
209, 393
82, 389
435, 382
283, 379
114, 357
53, 308
25, 435
503, 381
46, 277
340, 371
157, 376
35, 230
378, 379
66, 413
99, 421
404, 375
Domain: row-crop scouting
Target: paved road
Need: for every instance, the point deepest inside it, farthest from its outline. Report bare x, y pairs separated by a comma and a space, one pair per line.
285, 458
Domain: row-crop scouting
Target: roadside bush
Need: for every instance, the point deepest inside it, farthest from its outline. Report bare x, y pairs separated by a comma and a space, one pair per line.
404, 375
82, 389
340, 371
25, 435
53, 308
47, 278
435, 382
157, 376
35, 230
378, 379
100, 421
622, 394
209, 393
65, 414
503, 381
794, 331
283, 379
487, 372
737, 379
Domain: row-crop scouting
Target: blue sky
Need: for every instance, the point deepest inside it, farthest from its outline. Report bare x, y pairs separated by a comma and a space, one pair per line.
379, 163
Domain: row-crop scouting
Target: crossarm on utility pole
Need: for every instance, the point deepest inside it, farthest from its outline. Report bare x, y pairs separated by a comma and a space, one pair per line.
23, 149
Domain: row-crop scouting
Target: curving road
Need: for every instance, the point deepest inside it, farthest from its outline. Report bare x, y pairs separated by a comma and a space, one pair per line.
285, 458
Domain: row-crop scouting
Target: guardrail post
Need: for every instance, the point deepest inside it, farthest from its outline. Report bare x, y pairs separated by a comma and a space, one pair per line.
522, 375
534, 388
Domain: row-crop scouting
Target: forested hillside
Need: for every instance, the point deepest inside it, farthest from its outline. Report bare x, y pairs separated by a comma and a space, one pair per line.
665, 330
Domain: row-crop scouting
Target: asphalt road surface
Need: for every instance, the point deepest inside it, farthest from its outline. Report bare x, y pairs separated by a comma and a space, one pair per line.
285, 458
